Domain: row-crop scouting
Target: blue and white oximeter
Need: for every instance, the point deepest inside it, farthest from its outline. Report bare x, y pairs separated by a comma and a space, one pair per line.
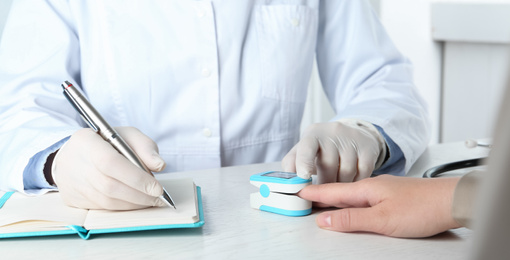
277, 193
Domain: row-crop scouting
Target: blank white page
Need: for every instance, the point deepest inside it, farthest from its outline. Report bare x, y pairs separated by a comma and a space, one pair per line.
22, 213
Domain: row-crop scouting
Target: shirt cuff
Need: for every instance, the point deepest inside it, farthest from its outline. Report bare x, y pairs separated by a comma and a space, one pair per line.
33, 175
395, 164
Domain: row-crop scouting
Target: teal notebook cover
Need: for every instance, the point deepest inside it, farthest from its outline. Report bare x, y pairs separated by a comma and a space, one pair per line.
85, 234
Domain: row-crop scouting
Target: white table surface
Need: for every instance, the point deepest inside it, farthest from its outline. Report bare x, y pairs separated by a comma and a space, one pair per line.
233, 230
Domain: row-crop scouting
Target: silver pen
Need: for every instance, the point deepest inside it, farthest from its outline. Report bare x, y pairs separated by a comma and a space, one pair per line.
100, 126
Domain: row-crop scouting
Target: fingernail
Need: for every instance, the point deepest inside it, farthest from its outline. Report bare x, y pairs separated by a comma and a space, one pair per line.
159, 163
324, 220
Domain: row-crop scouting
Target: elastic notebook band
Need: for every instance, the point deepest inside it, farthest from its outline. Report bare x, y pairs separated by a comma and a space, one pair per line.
5, 197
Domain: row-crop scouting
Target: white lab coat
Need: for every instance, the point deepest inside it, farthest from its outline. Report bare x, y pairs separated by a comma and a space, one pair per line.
214, 83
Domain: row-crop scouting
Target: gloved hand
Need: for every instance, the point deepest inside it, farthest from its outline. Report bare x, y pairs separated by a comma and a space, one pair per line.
91, 174
343, 151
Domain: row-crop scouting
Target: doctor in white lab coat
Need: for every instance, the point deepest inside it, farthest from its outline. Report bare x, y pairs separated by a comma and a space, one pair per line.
202, 84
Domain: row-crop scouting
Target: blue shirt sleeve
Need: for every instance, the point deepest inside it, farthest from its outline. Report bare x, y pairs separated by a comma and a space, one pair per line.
395, 165
33, 175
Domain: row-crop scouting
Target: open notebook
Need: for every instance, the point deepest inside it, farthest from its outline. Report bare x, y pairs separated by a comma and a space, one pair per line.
21, 215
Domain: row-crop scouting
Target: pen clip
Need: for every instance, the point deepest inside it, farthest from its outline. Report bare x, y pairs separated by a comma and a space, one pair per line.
82, 112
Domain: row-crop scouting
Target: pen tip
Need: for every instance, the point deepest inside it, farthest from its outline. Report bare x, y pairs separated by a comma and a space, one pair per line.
167, 199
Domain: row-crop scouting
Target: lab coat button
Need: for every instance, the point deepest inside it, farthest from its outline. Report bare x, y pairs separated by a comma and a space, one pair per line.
207, 132
206, 73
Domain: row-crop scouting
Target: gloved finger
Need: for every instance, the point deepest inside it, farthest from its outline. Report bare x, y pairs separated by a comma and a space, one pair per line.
289, 160
328, 161
144, 146
366, 165
306, 152
348, 164
113, 164
113, 190
86, 196
95, 200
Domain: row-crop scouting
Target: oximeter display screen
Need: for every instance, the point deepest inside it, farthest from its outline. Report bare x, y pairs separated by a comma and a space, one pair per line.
283, 175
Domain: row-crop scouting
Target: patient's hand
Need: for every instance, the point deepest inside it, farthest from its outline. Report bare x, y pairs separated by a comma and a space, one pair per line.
388, 205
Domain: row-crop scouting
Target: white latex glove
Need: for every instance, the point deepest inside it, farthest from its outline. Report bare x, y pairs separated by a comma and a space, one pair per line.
343, 151
91, 174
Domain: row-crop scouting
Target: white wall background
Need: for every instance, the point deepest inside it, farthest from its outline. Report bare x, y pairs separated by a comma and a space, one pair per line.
476, 52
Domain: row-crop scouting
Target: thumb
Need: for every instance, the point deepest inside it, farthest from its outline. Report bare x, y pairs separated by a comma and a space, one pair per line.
351, 220
144, 146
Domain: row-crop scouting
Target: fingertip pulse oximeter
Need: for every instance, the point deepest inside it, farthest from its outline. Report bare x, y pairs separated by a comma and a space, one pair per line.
277, 193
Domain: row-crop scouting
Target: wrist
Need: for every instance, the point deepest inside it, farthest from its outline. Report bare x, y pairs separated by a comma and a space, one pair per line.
466, 191
452, 186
